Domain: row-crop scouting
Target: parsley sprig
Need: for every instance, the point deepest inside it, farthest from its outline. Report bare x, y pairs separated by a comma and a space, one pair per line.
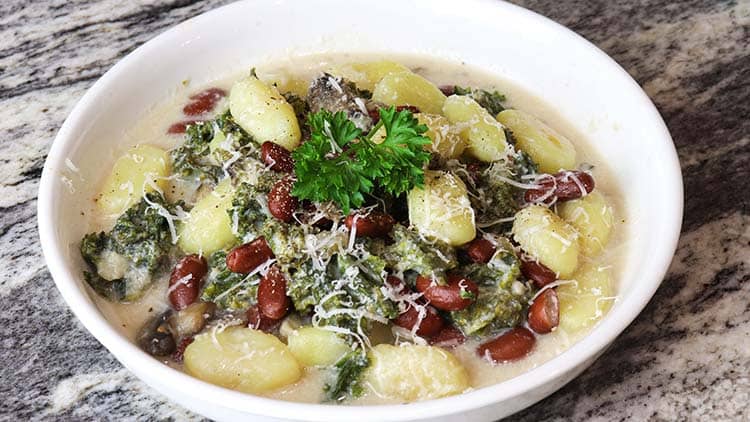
341, 164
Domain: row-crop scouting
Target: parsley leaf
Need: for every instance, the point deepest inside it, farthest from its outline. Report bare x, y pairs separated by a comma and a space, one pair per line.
341, 164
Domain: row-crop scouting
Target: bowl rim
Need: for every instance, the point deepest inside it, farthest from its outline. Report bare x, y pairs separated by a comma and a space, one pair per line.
188, 387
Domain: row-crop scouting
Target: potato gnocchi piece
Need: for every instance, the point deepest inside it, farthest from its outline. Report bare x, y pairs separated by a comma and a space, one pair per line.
548, 148
584, 302
136, 172
314, 346
592, 217
485, 137
407, 88
285, 83
264, 113
411, 372
545, 236
366, 75
446, 142
242, 359
441, 209
208, 227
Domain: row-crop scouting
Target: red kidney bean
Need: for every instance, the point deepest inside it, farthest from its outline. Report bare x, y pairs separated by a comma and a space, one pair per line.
448, 90
179, 354
204, 101
430, 324
375, 112
258, 321
273, 302
246, 258
563, 186
281, 203
544, 313
397, 284
480, 250
475, 170
411, 108
458, 294
512, 345
535, 271
185, 281
180, 127
276, 157
373, 224
449, 336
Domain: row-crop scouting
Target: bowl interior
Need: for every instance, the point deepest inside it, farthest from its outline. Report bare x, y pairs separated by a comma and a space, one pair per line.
590, 91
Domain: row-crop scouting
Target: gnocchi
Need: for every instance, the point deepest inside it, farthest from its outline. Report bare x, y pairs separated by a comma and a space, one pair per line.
411, 372
549, 149
441, 209
446, 143
586, 299
243, 359
140, 170
407, 88
314, 346
485, 137
264, 113
208, 227
592, 218
545, 236
367, 74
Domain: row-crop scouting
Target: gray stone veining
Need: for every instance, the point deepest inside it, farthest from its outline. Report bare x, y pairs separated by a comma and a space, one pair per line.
686, 357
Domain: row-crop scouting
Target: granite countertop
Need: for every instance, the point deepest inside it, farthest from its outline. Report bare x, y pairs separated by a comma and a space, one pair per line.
686, 357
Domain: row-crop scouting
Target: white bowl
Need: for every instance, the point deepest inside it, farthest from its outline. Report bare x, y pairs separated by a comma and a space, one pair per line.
592, 92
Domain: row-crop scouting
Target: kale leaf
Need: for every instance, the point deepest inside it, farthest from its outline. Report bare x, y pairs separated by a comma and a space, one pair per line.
492, 197
347, 283
409, 252
228, 290
126, 258
196, 158
347, 374
247, 213
498, 304
142, 233
192, 159
491, 101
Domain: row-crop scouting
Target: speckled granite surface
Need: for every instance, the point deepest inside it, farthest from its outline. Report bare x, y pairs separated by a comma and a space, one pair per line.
686, 357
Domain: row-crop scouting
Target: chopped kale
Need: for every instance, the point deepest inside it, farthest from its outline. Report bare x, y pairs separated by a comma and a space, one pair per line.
491, 101
367, 273
287, 241
230, 129
192, 159
114, 290
126, 258
523, 165
347, 377
226, 289
409, 252
347, 283
498, 304
142, 234
199, 157
247, 211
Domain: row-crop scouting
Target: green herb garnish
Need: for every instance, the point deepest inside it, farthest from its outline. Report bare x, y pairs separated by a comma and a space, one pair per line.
341, 164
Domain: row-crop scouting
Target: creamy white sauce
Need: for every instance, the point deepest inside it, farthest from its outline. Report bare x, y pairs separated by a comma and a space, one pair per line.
152, 130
